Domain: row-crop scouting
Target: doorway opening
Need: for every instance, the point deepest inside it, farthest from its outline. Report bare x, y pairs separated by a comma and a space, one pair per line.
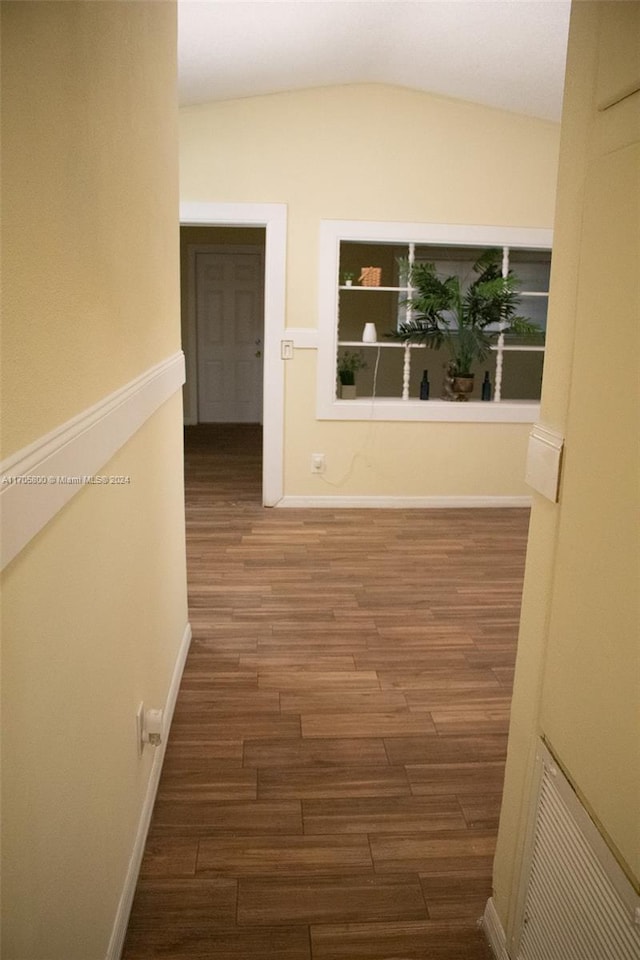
222, 282
233, 283
222, 293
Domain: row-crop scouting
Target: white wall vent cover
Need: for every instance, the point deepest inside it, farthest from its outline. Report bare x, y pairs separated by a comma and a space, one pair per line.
578, 903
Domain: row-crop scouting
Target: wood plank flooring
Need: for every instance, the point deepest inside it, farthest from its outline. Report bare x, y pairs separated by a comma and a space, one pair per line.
332, 781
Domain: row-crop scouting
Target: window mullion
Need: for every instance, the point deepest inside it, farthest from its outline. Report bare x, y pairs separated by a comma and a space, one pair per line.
406, 369
497, 387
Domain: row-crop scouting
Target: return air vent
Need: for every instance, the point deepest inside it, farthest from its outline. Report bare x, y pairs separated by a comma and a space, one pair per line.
578, 905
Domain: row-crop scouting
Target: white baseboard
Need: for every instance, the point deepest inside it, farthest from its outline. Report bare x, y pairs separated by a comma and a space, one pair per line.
119, 930
404, 503
494, 932
31, 488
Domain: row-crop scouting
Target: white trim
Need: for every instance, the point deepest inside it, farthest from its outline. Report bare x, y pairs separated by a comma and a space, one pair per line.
404, 503
116, 941
544, 461
272, 216
332, 232
494, 931
436, 411
389, 231
78, 449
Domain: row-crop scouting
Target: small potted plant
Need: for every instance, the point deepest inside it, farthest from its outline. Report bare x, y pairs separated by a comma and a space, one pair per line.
466, 321
348, 365
348, 278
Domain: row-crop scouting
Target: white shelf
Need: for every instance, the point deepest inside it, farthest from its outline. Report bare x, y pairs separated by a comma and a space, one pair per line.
519, 349
521, 293
422, 346
380, 343
388, 289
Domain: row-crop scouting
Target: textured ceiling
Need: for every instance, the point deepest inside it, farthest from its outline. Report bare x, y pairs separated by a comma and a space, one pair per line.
504, 53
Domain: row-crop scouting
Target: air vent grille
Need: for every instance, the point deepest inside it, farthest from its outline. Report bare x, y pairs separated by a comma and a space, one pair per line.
579, 905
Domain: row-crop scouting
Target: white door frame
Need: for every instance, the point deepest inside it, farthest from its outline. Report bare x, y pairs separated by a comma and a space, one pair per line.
272, 216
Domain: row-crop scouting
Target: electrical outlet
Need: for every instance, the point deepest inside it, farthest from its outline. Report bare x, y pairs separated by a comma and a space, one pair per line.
149, 727
152, 730
317, 463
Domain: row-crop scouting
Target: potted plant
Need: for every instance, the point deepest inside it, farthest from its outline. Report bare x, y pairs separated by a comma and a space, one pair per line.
348, 278
467, 321
348, 364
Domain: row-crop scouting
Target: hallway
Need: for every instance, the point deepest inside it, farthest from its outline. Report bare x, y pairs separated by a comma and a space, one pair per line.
332, 781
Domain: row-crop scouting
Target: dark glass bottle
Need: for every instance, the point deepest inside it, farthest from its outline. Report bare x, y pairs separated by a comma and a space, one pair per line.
424, 385
486, 386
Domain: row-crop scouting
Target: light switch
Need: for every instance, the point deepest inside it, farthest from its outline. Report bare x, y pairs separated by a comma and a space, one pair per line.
286, 349
544, 460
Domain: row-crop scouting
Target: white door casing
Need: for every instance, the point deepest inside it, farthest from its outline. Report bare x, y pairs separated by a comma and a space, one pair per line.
229, 322
272, 216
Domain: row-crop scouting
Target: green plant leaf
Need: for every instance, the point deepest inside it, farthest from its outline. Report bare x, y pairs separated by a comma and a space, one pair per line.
446, 315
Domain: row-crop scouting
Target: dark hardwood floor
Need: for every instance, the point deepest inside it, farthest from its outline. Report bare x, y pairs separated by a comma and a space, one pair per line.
332, 780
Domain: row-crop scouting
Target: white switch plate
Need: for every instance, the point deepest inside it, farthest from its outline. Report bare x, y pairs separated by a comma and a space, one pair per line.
544, 462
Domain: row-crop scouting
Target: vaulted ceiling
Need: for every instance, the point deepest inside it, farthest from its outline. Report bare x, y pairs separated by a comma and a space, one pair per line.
504, 53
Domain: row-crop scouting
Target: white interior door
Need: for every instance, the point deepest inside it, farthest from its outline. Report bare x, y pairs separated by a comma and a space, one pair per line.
230, 331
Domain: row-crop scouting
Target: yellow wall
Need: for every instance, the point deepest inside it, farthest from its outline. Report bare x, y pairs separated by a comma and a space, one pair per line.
578, 658
72, 176
370, 152
93, 610
438, 459
94, 607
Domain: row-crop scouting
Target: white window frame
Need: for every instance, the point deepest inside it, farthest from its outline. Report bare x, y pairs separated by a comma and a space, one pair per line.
332, 233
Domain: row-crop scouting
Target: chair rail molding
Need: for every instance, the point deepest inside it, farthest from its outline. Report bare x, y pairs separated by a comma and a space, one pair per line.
39, 480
